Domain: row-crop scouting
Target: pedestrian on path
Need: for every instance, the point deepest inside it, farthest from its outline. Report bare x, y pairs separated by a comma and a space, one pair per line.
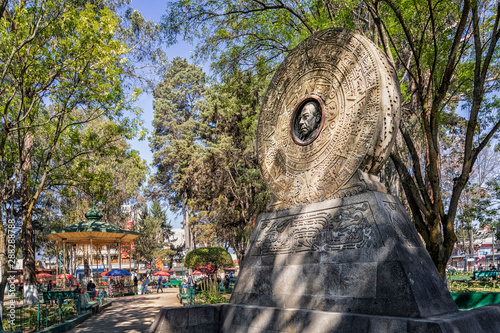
145, 286
160, 285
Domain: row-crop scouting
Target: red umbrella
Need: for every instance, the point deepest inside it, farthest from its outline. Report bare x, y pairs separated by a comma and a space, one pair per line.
197, 272
43, 275
64, 276
104, 273
161, 273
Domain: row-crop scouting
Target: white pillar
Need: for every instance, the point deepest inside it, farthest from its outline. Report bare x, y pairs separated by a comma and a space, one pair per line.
120, 255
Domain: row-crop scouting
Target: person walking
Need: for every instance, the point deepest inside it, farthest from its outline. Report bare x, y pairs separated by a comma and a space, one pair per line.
160, 285
145, 286
135, 284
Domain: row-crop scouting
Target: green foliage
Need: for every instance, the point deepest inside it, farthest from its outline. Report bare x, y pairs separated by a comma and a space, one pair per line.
217, 257
211, 297
231, 191
475, 286
175, 140
61, 70
205, 155
243, 34
63, 101
153, 227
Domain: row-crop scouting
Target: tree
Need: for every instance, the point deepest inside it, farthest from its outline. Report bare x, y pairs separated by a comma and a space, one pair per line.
174, 140
446, 56
204, 149
62, 65
153, 228
230, 190
478, 204
67, 57
217, 257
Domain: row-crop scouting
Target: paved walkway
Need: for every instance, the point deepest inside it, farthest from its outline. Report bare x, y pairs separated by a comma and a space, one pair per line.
131, 314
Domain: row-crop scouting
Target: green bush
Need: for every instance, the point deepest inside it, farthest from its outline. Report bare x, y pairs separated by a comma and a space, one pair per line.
215, 256
210, 297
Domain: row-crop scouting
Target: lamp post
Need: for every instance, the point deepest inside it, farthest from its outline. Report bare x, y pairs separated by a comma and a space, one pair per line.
493, 246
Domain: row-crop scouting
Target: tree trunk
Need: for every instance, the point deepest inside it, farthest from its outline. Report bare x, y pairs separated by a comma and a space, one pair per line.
86, 268
471, 240
29, 271
187, 231
439, 247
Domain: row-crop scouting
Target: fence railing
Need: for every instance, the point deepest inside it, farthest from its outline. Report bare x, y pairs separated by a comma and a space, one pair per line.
43, 314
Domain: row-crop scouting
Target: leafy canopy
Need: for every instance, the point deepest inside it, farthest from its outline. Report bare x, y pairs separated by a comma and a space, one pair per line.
217, 257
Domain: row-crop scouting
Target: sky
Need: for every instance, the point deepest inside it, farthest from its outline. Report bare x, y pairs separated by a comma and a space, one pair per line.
154, 9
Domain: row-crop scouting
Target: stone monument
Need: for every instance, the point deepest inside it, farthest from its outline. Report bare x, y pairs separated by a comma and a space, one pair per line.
334, 252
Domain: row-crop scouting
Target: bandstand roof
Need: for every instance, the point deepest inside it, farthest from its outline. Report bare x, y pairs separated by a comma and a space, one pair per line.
100, 232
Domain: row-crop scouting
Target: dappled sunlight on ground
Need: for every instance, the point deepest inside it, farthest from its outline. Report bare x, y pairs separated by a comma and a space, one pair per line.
130, 314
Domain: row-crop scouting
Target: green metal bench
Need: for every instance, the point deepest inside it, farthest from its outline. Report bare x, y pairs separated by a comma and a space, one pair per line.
186, 298
174, 283
59, 296
485, 274
463, 279
87, 304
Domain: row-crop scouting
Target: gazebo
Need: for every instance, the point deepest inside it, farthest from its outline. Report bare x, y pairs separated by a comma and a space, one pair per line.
92, 232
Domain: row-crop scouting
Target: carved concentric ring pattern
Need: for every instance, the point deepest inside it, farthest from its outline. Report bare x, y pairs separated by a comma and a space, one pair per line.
358, 91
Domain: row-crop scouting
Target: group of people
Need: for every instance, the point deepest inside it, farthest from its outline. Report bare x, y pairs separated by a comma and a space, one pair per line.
491, 267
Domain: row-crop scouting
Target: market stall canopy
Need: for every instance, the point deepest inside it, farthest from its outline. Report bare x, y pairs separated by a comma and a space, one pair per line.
118, 272
64, 276
102, 233
43, 275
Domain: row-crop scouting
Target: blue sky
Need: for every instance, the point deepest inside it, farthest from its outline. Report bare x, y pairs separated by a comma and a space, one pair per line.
154, 9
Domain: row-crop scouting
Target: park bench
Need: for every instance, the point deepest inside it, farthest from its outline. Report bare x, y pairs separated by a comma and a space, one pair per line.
87, 304
485, 274
186, 298
59, 296
461, 279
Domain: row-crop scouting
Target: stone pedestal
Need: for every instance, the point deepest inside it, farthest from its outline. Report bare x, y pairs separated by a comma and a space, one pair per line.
354, 264
357, 254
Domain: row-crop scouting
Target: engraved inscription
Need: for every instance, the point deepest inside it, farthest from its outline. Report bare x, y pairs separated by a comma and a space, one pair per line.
334, 229
402, 225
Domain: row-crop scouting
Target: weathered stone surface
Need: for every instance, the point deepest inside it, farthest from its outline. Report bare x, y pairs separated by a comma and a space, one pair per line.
356, 254
230, 318
195, 319
330, 110
335, 253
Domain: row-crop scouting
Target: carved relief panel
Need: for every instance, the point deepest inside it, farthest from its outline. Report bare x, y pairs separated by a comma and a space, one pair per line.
330, 230
330, 110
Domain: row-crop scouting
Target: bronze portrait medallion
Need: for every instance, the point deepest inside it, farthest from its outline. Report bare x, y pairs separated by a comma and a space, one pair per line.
307, 120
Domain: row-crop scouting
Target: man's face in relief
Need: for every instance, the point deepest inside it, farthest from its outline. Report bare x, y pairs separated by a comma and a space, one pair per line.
308, 121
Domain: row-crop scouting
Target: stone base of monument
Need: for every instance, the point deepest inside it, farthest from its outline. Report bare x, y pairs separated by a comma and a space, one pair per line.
354, 264
230, 318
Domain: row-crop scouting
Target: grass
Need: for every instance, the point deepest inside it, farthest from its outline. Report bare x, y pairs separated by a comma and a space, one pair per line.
475, 286
458, 283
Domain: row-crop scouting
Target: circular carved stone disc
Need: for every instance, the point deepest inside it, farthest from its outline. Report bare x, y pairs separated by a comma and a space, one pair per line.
308, 152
